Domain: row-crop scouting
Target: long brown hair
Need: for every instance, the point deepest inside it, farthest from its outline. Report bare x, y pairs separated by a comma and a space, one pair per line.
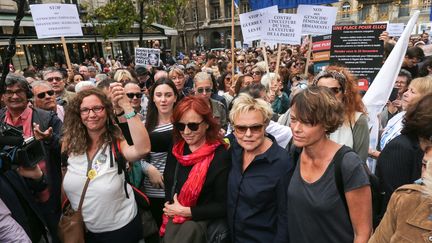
75, 136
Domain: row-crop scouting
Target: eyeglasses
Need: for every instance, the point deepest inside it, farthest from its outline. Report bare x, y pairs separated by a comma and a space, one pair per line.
132, 95
201, 90
238, 61
96, 109
193, 126
58, 79
243, 129
335, 90
43, 94
256, 73
9, 92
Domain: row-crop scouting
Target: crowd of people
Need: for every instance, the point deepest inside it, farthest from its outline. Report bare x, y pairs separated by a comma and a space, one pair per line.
225, 152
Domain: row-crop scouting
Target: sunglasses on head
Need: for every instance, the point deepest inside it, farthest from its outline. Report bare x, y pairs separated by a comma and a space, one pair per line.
43, 94
132, 95
243, 129
193, 126
201, 90
335, 90
58, 79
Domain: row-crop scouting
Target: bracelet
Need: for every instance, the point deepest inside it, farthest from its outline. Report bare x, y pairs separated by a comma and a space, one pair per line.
130, 115
121, 113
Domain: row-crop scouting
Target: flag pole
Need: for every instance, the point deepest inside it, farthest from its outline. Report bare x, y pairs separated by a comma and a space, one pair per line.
232, 37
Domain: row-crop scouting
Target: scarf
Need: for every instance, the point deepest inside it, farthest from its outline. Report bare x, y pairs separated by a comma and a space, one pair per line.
200, 160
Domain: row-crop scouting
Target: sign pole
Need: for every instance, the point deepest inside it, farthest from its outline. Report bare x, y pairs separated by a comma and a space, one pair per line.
63, 41
232, 37
308, 55
278, 58
264, 51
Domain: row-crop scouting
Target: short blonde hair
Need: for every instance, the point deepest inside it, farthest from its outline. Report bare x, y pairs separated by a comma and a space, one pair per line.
244, 103
122, 73
423, 85
268, 78
177, 71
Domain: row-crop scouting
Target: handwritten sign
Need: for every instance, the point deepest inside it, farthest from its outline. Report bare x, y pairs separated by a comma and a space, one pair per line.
56, 20
147, 56
395, 29
282, 28
252, 23
317, 20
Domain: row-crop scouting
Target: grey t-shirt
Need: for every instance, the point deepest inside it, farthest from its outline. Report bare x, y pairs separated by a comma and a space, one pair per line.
316, 212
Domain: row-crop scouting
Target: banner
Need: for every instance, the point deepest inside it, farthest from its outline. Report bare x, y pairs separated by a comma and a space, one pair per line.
317, 20
56, 20
321, 52
251, 23
282, 28
285, 4
147, 56
357, 47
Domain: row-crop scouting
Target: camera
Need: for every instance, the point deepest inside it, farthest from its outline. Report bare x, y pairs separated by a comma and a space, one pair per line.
16, 151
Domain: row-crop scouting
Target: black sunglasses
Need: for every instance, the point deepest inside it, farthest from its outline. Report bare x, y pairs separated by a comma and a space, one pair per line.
132, 95
42, 95
193, 126
58, 79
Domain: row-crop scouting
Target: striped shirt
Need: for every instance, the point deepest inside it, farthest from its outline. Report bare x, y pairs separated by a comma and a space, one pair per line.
160, 139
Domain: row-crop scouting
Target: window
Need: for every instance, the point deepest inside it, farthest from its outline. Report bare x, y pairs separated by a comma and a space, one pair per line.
215, 13
383, 11
228, 12
404, 8
426, 4
365, 12
346, 9
245, 7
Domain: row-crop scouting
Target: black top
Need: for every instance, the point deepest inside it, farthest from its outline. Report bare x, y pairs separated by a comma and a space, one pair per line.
212, 200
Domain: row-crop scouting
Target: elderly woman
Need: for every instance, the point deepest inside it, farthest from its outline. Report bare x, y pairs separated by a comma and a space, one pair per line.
354, 131
259, 176
316, 206
408, 213
195, 175
279, 100
89, 134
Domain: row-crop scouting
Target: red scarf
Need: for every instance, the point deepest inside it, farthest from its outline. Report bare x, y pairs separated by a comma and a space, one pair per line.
189, 193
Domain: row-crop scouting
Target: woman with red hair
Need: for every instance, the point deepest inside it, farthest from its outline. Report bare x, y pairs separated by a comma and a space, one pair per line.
195, 175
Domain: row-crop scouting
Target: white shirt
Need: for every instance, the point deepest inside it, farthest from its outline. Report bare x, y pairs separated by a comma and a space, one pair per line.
105, 207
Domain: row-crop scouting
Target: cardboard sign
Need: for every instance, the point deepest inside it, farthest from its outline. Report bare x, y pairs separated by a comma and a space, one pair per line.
395, 29
317, 20
56, 20
357, 48
252, 23
282, 28
147, 56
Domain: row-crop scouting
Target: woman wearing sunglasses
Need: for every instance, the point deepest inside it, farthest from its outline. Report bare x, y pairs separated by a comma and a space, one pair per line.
195, 175
163, 96
354, 131
259, 175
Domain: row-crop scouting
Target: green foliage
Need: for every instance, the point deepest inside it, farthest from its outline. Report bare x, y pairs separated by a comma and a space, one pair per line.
166, 12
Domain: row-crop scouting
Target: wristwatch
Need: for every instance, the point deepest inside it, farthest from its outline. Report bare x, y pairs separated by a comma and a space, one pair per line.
130, 115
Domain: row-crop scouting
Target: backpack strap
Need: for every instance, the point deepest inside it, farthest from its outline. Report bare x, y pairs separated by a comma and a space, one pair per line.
337, 160
121, 163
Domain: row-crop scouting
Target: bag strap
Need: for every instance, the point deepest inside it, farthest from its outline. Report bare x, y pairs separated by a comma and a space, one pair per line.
121, 163
83, 193
337, 160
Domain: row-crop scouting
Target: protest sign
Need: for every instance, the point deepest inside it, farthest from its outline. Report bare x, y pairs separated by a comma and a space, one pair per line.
282, 28
147, 56
357, 47
321, 51
317, 20
251, 23
427, 49
56, 20
395, 29
238, 44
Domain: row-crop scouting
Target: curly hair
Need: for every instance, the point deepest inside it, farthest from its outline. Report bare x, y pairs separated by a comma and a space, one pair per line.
318, 105
351, 100
75, 136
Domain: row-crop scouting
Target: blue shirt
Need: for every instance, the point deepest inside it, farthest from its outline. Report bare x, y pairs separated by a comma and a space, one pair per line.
257, 197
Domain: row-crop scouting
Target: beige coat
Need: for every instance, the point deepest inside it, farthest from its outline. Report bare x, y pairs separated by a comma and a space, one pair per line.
408, 217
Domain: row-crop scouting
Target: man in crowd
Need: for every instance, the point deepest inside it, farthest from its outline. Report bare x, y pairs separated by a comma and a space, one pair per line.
44, 98
84, 71
57, 81
413, 56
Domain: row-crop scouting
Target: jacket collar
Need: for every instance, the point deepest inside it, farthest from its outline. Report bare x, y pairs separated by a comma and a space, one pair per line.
422, 216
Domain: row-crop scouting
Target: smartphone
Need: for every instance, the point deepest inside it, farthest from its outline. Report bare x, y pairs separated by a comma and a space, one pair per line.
394, 94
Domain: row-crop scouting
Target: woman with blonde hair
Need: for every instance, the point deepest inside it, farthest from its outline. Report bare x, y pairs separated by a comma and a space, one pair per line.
123, 76
354, 131
407, 218
179, 78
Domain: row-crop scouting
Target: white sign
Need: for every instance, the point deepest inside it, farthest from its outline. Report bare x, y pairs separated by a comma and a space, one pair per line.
283, 28
238, 44
318, 20
252, 23
147, 56
56, 20
395, 29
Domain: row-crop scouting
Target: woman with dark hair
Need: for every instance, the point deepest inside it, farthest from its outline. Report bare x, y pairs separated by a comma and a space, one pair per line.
407, 218
195, 175
316, 206
354, 131
88, 140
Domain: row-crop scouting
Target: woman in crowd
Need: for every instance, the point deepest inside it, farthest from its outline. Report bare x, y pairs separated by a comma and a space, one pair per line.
195, 175
407, 218
354, 131
259, 176
225, 88
89, 134
123, 76
316, 208
178, 77
163, 96
257, 72
279, 100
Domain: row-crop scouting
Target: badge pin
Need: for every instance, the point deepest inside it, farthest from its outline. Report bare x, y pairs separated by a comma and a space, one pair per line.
92, 174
